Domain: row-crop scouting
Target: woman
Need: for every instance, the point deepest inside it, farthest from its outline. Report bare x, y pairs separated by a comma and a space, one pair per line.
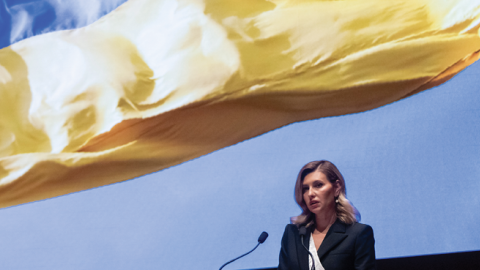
327, 227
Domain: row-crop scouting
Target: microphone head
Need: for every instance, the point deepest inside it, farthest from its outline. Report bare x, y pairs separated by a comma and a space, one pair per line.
302, 231
262, 237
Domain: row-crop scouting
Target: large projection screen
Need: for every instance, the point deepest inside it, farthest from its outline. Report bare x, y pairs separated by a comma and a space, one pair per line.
412, 168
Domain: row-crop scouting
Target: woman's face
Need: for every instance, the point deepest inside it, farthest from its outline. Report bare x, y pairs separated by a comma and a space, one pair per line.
318, 193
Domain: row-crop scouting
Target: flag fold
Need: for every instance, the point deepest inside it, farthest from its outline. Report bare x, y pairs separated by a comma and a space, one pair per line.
156, 83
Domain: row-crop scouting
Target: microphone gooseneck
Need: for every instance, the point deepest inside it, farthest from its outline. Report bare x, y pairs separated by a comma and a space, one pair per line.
303, 231
261, 239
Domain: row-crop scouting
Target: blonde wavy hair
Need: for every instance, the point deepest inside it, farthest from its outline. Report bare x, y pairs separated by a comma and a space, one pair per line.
346, 212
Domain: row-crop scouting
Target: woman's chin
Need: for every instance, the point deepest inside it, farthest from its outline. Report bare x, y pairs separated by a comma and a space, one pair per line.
315, 210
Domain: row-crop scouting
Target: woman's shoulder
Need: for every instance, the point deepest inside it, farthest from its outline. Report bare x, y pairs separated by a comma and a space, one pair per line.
291, 233
359, 225
359, 228
291, 228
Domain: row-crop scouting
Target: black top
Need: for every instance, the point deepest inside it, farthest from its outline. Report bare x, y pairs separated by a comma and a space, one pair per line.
345, 247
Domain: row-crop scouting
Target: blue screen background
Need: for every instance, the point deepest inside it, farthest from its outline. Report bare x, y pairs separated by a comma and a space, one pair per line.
412, 168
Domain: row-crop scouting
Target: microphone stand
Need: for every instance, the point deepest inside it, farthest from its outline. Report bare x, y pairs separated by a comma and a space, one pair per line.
303, 232
261, 239
240, 256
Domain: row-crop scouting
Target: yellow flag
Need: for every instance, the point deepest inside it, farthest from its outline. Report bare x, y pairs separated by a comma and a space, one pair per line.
159, 82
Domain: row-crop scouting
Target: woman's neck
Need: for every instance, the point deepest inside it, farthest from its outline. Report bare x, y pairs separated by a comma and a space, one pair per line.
325, 220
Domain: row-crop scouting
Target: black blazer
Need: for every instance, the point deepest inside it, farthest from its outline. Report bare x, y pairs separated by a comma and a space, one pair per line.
345, 247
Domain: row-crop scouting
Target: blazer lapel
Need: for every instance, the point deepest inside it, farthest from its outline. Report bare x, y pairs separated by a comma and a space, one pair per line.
334, 236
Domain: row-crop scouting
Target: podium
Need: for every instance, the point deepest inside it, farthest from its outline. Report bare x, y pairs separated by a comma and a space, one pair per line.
469, 260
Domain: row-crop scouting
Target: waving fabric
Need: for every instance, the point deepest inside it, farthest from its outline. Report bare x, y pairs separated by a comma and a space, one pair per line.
156, 83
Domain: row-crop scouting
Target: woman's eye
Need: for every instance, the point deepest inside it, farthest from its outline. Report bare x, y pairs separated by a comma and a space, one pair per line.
318, 185
304, 190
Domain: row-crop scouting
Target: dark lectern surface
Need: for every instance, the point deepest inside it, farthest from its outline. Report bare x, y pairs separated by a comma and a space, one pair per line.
449, 261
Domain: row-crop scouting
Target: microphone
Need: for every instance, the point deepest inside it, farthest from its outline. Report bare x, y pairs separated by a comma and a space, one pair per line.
261, 239
303, 231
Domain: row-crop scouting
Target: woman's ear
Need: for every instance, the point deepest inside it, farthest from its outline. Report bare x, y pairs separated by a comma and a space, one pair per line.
337, 187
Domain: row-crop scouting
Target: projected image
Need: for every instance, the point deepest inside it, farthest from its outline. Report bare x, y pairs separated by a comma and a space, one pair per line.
169, 134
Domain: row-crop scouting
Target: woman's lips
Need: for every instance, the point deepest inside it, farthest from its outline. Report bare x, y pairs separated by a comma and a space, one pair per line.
314, 203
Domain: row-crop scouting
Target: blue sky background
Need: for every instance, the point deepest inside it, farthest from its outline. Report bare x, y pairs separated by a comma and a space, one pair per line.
412, 168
